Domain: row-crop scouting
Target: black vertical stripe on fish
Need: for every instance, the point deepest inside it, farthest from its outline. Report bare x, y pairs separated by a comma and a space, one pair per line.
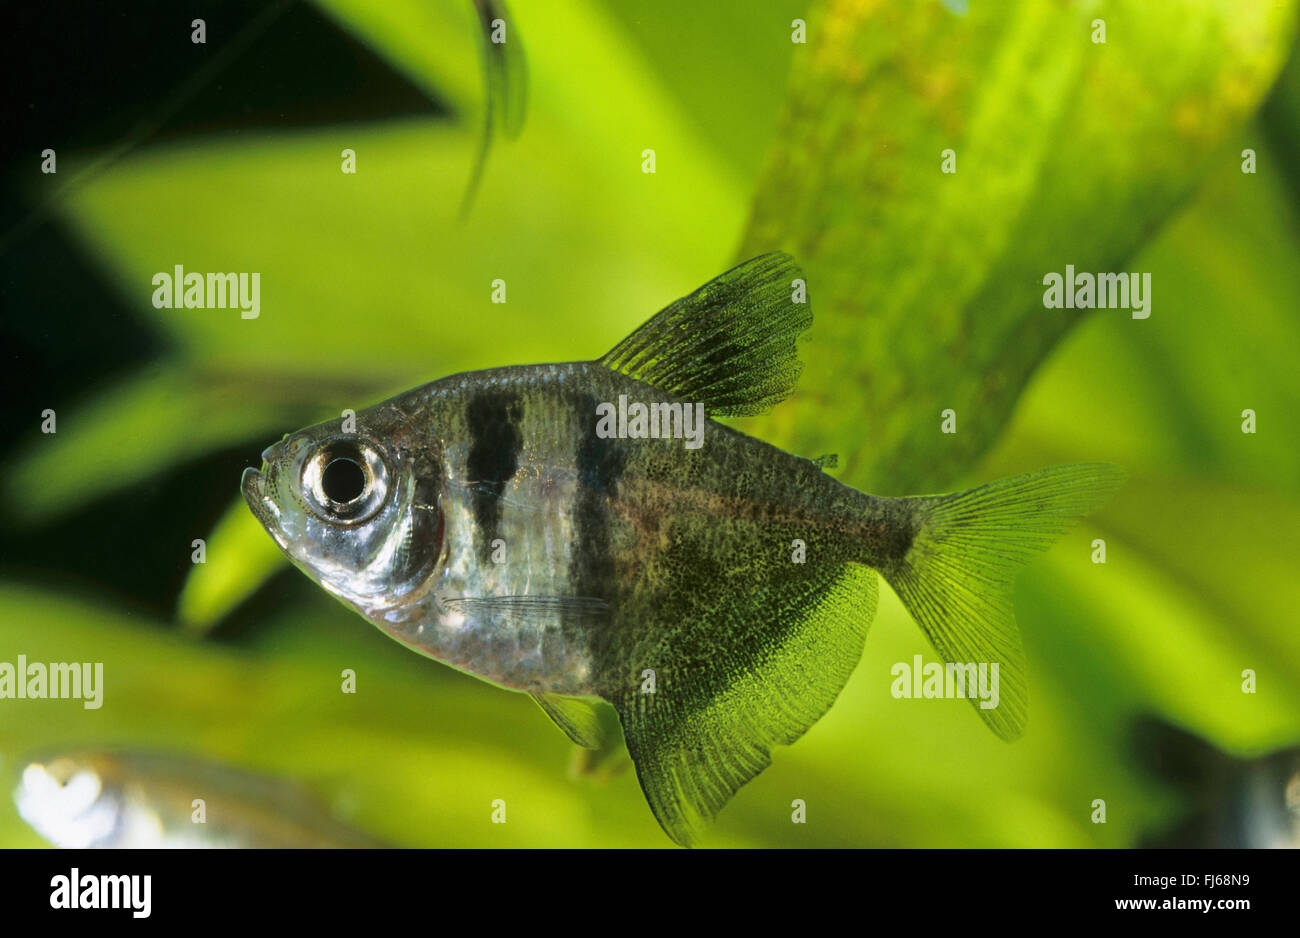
493, 419
600, 463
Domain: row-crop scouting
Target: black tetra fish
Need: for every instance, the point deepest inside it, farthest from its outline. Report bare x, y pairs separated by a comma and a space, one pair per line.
584, 531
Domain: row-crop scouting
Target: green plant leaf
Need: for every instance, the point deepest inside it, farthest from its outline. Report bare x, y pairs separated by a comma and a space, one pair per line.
157, 418
929, 286
240, 558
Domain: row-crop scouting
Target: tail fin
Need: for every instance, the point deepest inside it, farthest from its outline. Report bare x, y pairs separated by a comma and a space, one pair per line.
956, 577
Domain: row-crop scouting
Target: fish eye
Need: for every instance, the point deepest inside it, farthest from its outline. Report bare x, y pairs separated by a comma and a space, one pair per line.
345, 481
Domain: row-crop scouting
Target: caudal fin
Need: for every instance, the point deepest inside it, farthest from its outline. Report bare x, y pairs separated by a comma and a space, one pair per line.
956, 577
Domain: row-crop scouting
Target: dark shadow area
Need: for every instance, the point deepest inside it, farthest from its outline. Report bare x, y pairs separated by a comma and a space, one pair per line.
82, 81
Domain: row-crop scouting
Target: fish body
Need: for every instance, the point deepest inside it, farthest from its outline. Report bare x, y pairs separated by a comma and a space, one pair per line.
119, 800
587, 531
592, 534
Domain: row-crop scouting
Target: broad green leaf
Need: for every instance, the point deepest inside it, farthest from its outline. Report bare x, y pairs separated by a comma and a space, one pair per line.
379, 285
929, 286
726, 63
1170, 399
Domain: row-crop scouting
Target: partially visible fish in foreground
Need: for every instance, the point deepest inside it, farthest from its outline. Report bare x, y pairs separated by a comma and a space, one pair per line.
712, 588
136, 799
1231, 802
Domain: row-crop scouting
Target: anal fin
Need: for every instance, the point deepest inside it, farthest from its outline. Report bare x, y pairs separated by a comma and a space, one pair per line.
766, 666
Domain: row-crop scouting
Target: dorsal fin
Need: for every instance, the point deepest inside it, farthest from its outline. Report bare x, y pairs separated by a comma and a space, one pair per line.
730, 345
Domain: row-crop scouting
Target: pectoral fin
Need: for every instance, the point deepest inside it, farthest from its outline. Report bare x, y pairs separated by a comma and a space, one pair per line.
577, 717
536, 610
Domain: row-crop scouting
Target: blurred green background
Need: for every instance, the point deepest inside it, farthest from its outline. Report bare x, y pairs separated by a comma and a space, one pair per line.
927, 292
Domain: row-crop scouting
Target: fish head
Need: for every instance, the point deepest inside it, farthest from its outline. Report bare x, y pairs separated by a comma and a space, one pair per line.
355, 509
69, 799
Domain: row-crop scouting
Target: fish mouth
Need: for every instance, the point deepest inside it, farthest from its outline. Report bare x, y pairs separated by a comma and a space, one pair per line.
253, 486
251, 483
